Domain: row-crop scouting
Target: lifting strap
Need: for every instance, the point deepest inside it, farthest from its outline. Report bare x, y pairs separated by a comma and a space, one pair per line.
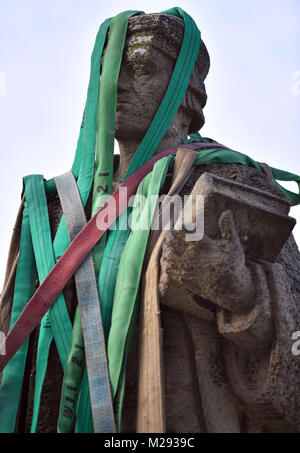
99, 115
79, 248
56, 323
126, 299
150, 407
89, 307
164, 116
52, 286
12, 378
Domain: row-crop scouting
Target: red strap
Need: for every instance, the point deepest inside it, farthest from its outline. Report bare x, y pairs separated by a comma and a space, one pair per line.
79, 248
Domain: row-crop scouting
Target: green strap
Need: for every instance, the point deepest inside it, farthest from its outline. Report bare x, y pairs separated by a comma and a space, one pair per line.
85, 160
84, 423
175, 92
85, 152
105, 140
229, 156
172, 100
83, 168
75, 396
125, 296
56, 323
107, 118
72, 378
225, 156
129, 274
281, 175
44, 342
12, 378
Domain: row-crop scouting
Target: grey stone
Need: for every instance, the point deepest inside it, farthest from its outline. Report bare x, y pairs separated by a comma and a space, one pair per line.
228, 310
260, 223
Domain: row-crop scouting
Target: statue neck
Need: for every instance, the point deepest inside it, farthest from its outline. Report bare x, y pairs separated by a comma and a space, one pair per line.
128, 150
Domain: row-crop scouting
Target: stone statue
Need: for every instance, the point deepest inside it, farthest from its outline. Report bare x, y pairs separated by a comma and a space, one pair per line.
228, 367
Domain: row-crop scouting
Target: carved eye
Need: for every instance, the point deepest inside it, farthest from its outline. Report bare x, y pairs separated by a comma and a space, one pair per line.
151, 67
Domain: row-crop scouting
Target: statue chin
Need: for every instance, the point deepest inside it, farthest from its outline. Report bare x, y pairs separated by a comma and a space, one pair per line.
130, 125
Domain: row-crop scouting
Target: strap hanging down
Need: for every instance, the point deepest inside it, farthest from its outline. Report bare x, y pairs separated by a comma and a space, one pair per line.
150, 414
126, 299
67, 265
83, 169
106, 118
56, 323
12, 378
161, 122
86, 286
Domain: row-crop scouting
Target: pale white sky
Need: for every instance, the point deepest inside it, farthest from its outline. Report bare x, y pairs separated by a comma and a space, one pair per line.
45, 47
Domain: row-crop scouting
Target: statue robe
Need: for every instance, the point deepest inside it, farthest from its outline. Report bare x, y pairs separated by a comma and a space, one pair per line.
230, 374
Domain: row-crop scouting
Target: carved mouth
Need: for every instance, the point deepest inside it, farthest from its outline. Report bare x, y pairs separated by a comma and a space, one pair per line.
124, 104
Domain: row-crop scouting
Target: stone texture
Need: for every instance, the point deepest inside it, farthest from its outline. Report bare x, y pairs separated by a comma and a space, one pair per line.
255, 344
261, 219
227, 319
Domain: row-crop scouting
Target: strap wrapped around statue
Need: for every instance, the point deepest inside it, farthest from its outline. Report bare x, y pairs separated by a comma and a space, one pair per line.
222, 291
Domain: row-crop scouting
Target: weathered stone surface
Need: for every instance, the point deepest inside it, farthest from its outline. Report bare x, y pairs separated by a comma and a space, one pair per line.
227, 318
261, 219
152, 46
255, 344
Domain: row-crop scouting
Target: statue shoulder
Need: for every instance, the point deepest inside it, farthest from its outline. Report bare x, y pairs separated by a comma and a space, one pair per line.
235, 172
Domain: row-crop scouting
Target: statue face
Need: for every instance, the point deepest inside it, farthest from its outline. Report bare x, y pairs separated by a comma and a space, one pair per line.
150, 54
144, 77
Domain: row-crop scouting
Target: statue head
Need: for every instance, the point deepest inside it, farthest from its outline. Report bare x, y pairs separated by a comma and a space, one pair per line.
151, 49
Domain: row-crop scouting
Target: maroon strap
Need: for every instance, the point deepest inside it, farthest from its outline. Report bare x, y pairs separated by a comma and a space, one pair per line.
79, 248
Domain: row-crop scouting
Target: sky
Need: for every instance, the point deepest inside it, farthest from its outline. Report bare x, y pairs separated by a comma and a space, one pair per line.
45, 47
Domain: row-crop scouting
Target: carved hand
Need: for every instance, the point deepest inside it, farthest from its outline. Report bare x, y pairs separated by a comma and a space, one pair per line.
215, 270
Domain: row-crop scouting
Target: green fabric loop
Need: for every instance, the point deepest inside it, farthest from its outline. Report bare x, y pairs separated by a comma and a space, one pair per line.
174, 94
164, 116
121, 257
56, 322
230, 156
12, 378
281, 175
72, 378
84, 423
105, 141
125, 296
85, 152
129, 277
106, 119
83, 168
